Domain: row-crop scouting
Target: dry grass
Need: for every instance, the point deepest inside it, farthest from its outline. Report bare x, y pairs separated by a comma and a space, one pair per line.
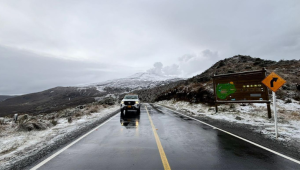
50, 119
2, 128
295, 114
290, 115
94, 108
78, 114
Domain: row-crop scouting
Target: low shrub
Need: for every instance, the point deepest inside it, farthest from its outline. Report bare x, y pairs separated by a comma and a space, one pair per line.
232, 106
54, 122
94, 109
32, 124
297, 97
288, 101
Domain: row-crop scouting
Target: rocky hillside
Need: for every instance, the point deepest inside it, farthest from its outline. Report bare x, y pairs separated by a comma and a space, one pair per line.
49, 100
199, 88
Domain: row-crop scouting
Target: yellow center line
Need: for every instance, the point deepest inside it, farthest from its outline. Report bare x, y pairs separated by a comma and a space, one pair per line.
159, 146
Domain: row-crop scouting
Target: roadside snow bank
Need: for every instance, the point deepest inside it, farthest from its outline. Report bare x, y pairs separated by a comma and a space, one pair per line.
252, 114
18, 145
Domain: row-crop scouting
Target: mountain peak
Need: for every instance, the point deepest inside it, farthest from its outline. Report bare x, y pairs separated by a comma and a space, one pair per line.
136, 81
147, 76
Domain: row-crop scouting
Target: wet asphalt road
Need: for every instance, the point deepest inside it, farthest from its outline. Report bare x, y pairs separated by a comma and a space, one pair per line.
127, 142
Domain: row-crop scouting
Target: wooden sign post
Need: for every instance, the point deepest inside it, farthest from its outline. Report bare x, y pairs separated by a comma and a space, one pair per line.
244, 87
274, 82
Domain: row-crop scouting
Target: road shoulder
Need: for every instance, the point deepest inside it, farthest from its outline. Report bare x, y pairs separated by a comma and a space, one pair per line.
248, 132
34, 156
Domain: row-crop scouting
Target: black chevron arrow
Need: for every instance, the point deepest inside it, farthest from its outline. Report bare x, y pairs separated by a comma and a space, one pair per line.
272, 81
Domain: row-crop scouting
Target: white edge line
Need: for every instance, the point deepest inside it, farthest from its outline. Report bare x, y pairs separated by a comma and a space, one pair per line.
270, 150
66, 147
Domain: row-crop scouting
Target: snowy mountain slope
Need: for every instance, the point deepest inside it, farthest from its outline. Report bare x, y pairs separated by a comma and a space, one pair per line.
137, 81
150, 77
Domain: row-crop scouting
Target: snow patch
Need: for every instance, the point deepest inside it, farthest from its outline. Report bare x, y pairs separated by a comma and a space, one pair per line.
251, 114
15, 144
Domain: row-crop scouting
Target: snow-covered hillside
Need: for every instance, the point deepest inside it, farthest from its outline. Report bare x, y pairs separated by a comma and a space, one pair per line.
146, 76
137, 81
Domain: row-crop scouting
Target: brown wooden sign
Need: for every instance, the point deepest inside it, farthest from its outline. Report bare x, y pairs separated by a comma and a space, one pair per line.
244, 87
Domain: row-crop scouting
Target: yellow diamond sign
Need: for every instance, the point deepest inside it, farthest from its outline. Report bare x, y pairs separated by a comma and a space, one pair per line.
273, 82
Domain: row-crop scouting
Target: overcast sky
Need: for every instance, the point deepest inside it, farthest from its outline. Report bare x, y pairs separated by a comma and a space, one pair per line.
48, 43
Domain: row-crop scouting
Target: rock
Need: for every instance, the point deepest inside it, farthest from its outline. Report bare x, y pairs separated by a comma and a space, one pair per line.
238, 118
70, 119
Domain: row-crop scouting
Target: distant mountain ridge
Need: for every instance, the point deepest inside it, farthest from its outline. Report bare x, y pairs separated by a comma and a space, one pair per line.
136, 81
4, 97
62, 97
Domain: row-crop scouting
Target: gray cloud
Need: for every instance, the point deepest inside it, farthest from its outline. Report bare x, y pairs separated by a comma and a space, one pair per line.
25, 72
106, 39
159, 69
191, 64
172, 70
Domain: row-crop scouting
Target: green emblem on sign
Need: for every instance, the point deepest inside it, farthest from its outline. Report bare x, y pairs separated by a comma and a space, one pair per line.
223, 90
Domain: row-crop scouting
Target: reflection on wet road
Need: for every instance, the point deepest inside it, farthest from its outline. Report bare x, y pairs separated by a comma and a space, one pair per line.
130, 119
127, 142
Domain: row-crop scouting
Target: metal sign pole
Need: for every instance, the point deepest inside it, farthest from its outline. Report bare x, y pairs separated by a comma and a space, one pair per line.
275, 113
274, 82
